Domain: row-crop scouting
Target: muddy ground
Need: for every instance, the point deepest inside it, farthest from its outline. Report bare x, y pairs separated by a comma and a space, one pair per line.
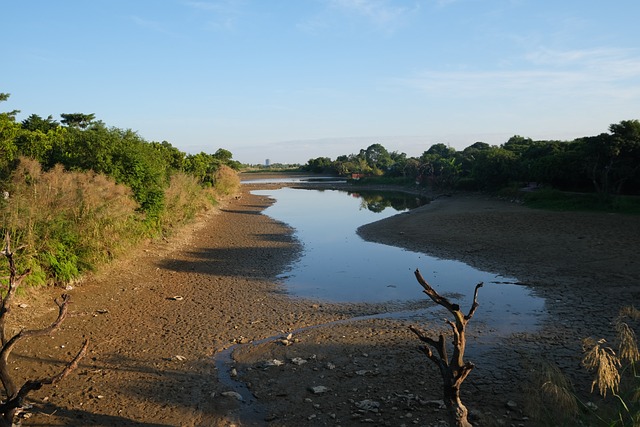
194, 330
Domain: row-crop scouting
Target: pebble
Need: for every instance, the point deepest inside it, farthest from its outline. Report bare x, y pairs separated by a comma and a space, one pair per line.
368, 405
233, 394
319, 389
298, 361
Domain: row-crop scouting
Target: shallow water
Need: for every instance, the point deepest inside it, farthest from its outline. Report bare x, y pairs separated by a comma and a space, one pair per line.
337, 265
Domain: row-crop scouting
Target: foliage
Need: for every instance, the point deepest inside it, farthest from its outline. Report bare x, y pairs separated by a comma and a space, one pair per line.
607, 164
79, 191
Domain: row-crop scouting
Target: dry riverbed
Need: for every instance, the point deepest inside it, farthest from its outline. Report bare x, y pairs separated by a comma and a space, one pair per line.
176, 331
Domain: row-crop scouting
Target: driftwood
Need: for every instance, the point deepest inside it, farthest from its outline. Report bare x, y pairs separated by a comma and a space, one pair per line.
14, 395
454, 370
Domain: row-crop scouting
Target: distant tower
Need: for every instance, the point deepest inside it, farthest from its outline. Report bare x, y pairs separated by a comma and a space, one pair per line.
267, 163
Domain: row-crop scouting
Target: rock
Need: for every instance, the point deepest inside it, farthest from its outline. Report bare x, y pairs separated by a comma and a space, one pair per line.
298, 361
23, 305
319, 389
330, 366
368, 405
511, 405
274, 362
233, 394
438, 404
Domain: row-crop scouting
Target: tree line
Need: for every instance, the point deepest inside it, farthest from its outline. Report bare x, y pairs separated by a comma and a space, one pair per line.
79, 142
607, 164
75, 193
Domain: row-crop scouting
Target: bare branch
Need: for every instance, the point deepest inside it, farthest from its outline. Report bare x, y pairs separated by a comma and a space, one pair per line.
7, 348
475, 304
453, 371
14, 402
435, 296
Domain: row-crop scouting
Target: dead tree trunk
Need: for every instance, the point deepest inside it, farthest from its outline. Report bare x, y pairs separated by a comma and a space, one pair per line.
454, 370
15, 396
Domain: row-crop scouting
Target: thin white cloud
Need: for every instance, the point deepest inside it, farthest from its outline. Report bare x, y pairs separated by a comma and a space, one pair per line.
381, 13
149, 24
222, 14
554, 73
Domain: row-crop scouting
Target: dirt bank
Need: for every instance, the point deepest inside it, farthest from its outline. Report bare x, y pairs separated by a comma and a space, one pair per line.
152, 355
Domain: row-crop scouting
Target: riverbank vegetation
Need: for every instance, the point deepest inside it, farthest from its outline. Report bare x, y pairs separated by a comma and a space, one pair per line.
76, 193
606, 166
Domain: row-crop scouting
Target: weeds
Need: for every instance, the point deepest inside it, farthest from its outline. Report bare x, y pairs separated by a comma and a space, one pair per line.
553, 401
71, 222
616, 372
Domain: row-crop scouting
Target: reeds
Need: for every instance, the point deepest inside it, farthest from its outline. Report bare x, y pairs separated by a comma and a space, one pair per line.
226, 181
67, 221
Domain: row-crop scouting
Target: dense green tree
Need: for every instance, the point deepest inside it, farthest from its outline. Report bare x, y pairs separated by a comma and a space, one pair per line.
494, 168
79, 120
9, 130
378, 158
517, 144
613, 159
319, 165
439, 167
36, 123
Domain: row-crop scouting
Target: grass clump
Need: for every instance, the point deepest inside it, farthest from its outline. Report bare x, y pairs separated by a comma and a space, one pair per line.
564, 201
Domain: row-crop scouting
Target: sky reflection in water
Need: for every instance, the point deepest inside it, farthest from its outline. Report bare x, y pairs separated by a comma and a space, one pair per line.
337, 265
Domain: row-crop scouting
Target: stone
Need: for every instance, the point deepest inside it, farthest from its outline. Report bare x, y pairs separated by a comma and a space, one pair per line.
368, 405
319, 389
233, 394
298, 361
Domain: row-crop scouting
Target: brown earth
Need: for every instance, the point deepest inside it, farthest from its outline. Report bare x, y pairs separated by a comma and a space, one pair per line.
155, 359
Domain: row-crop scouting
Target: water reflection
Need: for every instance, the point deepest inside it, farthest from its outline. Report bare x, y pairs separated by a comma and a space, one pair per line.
377, 201
337, 265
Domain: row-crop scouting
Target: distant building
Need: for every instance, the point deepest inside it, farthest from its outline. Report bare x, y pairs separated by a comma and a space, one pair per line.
267, 163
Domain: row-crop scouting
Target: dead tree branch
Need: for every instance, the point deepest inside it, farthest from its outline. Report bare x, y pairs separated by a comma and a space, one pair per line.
454, 371
15, 396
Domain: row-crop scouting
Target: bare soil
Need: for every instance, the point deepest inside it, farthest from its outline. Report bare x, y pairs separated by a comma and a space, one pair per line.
193, 331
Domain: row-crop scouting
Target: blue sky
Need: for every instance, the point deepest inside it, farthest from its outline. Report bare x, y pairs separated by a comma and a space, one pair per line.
291, 80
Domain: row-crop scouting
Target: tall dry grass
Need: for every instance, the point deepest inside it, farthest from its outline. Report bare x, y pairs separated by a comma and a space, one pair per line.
553, 401
184, 199
226, 181
69, 222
